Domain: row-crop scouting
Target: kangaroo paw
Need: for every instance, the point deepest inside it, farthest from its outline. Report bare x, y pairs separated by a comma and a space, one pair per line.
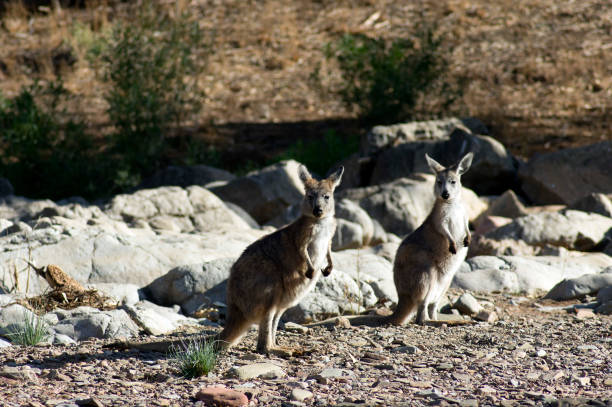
309, 272
327, 270
467, 240
452, 247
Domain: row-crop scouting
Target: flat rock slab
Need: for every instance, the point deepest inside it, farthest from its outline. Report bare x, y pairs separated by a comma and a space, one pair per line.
264, 370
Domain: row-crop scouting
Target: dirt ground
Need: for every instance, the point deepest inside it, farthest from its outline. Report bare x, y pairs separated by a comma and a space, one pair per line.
531, 356
538, 73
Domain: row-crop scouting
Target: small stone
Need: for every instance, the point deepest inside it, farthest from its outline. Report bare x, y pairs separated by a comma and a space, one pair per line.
5, 344
410, 349
553, 375
487, 390
358, 342
293, 327
468, 403
298, 394
343, 322
263, 370
533, 376
332, 373
445, 366
221, 396
487, 316
89, 402
608, 382
467, 304
584, 313
18, 373
583, 381
541, 353
519, 354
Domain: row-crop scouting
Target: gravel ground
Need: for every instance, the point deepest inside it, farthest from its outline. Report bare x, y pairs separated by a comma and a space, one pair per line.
527, 357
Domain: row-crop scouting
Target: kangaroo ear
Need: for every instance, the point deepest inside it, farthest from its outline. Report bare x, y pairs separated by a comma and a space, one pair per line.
303, 173
465, 163
435, 166
336, 176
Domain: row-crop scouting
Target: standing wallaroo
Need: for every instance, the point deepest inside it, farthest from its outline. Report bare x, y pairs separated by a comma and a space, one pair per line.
429, 257
276, 271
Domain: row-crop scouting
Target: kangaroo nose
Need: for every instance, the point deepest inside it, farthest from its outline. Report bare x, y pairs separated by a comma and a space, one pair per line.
445, 194
317, 211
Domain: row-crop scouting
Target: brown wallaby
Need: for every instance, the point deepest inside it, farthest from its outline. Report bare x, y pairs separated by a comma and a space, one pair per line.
276, 271
429, 257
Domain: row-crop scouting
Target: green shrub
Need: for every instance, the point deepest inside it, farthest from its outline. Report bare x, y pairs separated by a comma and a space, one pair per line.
33, 332
151, 65
320, 156
195, 358
44, 154
384, 79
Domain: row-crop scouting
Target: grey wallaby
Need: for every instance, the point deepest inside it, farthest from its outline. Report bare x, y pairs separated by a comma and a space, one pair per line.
276, 271
429, 257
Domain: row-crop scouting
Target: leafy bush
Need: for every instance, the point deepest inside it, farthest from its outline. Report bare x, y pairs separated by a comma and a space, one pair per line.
320, 156
44, 154
195, 358
33, 332
385, 79
151, 68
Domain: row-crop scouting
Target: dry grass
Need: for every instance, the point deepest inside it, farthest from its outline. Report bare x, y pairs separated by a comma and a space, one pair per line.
539, 73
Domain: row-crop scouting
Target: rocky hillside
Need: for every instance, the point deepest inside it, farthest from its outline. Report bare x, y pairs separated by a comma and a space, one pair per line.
527, 320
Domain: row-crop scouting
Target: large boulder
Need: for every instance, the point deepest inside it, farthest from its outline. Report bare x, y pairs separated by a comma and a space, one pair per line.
574, 230
588, 284
192, 286
596, 203
175, 209
85, 322
402, 205
565, 176
493, 170
381, 137
525, 274
265, 193
97, 254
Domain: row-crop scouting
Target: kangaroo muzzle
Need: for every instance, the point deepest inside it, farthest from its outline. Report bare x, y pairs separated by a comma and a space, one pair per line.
445, 194
317, 212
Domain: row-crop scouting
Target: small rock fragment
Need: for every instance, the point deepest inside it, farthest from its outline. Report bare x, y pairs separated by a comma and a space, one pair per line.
467, 304
298, 394
293, 327
221, 396
487, 316
343, 322
263, 370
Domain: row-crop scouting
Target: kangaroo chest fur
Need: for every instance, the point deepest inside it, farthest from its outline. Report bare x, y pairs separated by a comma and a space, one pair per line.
322, 233
452, 216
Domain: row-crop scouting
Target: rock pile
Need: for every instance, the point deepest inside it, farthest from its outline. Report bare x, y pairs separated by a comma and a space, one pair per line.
163, 253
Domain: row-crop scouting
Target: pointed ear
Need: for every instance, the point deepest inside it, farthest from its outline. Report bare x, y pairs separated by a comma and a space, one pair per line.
435, 166
304, 174
465, 163
336, 176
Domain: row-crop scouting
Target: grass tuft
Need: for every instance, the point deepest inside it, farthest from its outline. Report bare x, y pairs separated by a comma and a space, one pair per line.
32, 333
195, 358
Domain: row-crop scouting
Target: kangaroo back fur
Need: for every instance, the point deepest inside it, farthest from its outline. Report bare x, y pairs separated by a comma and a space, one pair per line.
276, 271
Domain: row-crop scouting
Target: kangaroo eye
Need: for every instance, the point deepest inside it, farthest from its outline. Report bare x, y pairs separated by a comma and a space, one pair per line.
453, 182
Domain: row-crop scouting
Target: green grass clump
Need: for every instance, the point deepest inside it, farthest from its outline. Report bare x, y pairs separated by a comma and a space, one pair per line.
195, 358
32, 333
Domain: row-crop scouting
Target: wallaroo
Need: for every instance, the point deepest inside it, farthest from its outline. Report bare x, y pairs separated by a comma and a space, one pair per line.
429, 257
276, 271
